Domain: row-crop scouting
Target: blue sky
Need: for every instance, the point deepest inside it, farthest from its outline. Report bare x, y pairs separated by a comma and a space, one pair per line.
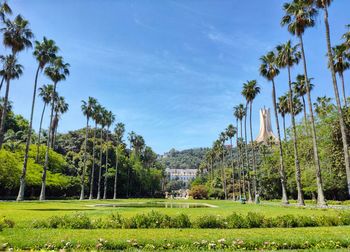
170, 70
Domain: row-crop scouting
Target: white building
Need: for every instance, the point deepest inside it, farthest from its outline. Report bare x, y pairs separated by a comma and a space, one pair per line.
185, 175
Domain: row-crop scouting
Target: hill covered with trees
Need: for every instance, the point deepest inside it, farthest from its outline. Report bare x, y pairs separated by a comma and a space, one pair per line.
185, 159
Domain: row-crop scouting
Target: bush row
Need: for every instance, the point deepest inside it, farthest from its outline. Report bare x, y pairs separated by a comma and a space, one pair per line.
156, 219
6, 223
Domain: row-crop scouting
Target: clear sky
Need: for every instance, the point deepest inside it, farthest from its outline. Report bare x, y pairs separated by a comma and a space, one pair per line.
170, 70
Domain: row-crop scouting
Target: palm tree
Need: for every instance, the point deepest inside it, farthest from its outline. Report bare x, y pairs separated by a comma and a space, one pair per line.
300, 15
239, 113
87, 108
346, 37
12, 70
222, 139
45, 92
341, 60
4, 10
283, 107
119, 133
110, 118
249, 92
57, 71
323, 106
102, 122
44, 52
61, 107
269, 70
16, 36
96, 115
230, 132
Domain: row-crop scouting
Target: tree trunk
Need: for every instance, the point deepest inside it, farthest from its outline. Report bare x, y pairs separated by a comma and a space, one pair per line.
100, 168
43, 178
116, 174
337, 98
223, 171
242, 170
92, 175
282, 171
239, 163
247, 155
39, 137
284, 128
85, 157
22, 181
320, 199
341, 75
255, 183
233, 172
2, 82
295, 144
4, 113
106, 170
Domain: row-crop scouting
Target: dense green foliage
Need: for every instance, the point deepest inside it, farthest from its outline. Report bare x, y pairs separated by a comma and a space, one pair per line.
185, 159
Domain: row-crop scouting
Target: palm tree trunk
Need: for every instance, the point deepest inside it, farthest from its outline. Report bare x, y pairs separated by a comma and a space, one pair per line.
246, 153
106, 170
337, 98
92, 175
282, 171
2, 82
284, 128
116, 174
341, 75
4, 113
43, 178
253, 152
233, 172
320, 199
100, 169
223, 171
39, 137
239, 163
305, 116
295, 144
85, 157
242, 170
22, 181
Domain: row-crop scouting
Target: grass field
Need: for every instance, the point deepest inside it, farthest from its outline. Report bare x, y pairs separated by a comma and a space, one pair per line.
23, 236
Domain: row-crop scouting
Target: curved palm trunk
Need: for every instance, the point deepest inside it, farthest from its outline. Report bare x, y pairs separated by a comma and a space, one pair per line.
43, 177
115, 175
4, 113
284, 128
341, 75
93, 165
2, 82
233, 172
106, 170
282, 171
242, 167
337, 98
100, 169
223, 171
22, 181
305, 116
247, 156
295, 145
82, 184
39, 137
239, 163
255, 183
320, 199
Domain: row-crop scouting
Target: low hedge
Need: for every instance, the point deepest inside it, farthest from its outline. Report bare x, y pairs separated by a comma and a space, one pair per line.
156, 219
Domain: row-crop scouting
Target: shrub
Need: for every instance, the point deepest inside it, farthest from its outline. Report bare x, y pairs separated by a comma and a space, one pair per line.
112, 221
235, 220
199, 192
255, 220
153, 219
180, 221
287, 221
6, 223
210, 221
344, 218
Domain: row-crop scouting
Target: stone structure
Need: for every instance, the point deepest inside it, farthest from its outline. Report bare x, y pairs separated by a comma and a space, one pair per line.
265, 134
185, 175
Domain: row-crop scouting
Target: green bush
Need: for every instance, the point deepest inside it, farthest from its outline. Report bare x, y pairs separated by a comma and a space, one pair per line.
112, 221
210, 221
288, 221
255, 220
76, 221
235, 221
180, 221
199, 192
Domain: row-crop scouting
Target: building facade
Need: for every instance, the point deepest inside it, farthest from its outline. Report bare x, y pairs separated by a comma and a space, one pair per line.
185, 175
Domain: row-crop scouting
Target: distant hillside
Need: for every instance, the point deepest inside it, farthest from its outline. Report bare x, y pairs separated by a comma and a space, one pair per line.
185, 159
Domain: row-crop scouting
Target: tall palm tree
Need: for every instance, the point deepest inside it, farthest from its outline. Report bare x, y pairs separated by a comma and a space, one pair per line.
249, 92
12, 70
96, 115
119, 133
61, 107
269, 70
45, 92
87, 108
230, 132
44, 52
102, 122
239, 113
110, 118
283, 107
222, 139
324, 4
341, 58
57, 71
16, 36
300, 15
346, 37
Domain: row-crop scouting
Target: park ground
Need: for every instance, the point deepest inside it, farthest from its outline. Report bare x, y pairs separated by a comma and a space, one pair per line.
24, 237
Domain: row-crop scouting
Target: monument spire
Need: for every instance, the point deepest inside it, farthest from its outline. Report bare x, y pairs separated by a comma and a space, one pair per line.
265, 133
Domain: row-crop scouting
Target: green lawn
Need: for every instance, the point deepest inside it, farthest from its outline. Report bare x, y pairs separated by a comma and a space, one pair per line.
22, 236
